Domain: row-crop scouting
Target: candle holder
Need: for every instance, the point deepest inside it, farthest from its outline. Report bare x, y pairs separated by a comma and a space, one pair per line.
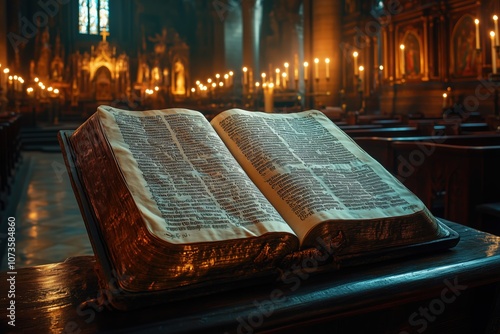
479, 67
495, 79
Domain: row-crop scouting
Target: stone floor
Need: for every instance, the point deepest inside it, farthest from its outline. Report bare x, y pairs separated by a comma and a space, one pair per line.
49, 227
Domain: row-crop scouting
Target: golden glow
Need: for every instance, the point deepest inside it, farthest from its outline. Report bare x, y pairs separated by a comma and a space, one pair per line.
245, 69
327, 60
355, 54
361, 68
286, 65
316, 60
306, 64
402, 46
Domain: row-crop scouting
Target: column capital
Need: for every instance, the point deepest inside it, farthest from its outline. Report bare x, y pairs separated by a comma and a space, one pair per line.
287, 11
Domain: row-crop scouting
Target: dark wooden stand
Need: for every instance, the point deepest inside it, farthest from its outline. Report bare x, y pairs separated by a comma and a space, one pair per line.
454, 291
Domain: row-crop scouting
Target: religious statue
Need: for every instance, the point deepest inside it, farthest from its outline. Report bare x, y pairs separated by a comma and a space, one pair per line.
45, 56
160, 42
179, 79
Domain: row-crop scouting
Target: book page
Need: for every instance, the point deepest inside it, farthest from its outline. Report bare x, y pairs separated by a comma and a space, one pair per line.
310, 170
186, 184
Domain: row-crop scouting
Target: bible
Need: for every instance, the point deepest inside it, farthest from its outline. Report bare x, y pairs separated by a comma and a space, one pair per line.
175, 203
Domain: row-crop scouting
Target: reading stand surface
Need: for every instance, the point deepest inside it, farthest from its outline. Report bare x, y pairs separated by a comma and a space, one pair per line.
123, 300
452, 291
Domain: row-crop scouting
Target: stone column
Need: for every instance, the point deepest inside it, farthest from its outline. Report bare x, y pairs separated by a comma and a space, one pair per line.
287, 15
250, 42
3, 34
326, 38
218, 16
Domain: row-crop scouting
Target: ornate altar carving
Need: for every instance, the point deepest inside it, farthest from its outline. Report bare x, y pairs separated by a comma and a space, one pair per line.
101, 75
163, 67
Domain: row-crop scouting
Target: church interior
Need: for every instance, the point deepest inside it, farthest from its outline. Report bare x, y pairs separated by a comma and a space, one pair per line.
415, 83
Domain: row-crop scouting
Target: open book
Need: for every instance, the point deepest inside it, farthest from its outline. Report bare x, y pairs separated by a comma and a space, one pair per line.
173, 201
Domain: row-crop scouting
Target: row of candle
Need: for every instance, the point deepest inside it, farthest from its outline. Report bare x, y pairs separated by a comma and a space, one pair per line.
493, 34
281, 78
14, 82
217, 82
495, 42
43, 88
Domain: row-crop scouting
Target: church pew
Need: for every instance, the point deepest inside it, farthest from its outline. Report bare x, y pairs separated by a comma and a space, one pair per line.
403, 131
370, 119
350, 127
10, 152
3, 166
381, 147
452, 180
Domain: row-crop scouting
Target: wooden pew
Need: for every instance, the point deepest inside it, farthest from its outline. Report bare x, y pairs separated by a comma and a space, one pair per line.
10, 153
4, 175
381, 147
450, 179
403, 131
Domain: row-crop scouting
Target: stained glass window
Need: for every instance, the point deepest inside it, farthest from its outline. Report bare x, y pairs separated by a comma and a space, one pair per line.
93, 16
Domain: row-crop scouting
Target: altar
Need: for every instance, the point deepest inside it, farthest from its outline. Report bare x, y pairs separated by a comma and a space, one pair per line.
454, 291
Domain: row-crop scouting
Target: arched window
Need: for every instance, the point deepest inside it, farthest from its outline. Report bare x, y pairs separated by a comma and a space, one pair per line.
93, 16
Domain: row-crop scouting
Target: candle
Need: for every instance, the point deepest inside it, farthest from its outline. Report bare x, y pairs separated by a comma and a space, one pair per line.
306, 64
226, 79
402, 57
493, 53
268, 97
285, 74
355, 56
478, 42
316, 69
245, 78
361, 69
284, 79
445, 96
263, 75
296, 67
495, 18
277, 78
327, 66
250, 80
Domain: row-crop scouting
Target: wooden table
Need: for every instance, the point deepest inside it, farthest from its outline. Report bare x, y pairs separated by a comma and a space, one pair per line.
454, 291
